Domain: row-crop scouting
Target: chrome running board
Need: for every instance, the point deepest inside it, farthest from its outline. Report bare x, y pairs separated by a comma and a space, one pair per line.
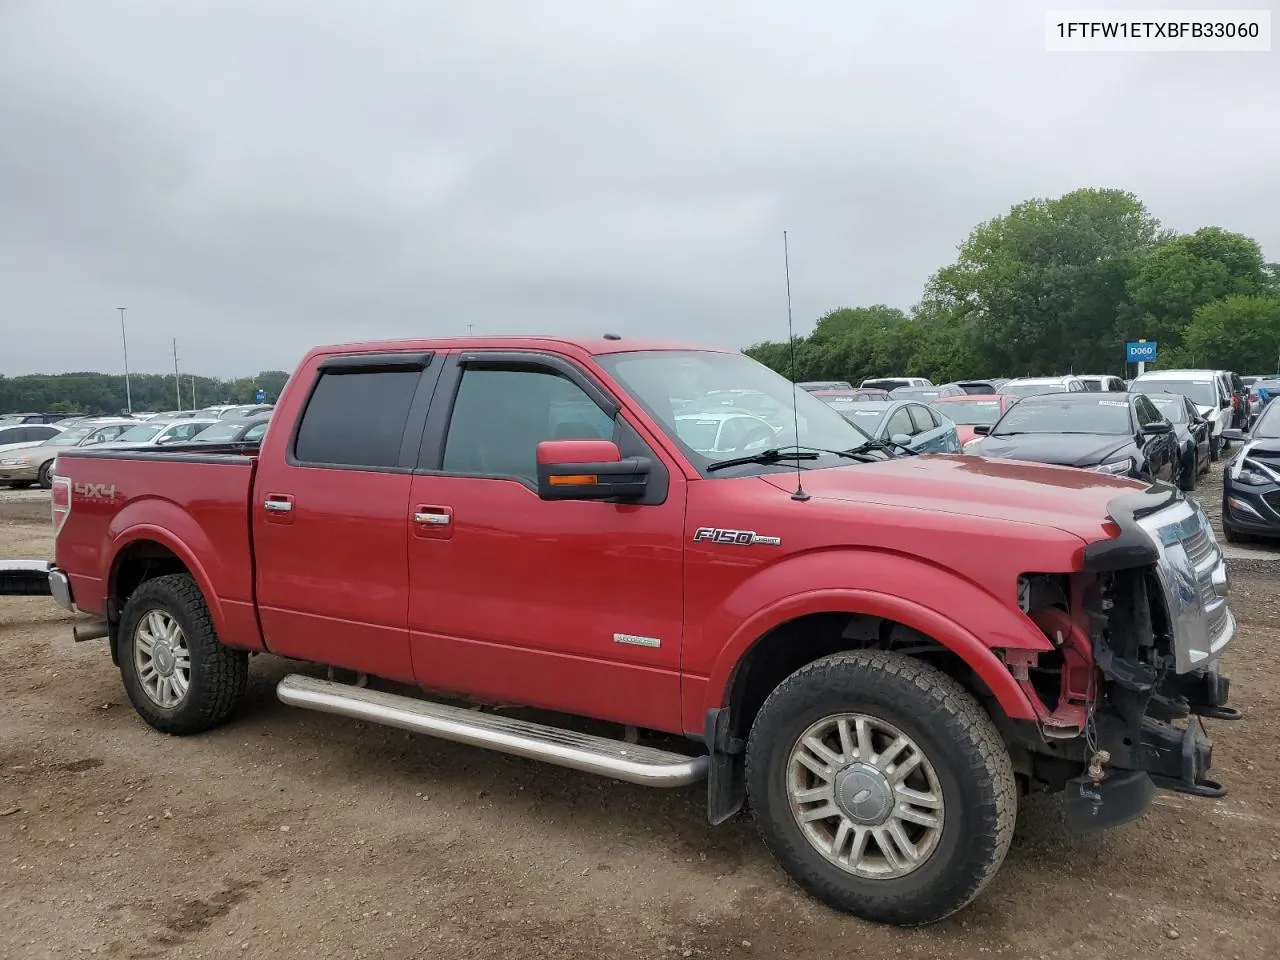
618, 759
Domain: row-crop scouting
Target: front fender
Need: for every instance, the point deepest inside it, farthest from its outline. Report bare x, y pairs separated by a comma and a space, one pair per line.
173, 528
905, 589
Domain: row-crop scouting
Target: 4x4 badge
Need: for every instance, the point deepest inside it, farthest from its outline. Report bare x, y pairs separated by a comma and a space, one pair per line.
740, 537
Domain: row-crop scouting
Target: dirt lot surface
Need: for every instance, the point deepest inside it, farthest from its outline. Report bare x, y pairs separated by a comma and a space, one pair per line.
296, 834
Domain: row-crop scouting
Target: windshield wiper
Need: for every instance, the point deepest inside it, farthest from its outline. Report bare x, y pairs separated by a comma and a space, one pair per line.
884, 446
790, 452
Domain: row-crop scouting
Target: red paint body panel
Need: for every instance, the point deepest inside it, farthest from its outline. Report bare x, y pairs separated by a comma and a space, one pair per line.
522, 602
607, 610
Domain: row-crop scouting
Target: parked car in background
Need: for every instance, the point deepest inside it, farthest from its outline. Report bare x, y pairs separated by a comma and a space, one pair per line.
928, 394
1120, 434
893, 383
842, 398
1242, 414
1204, 388
906, 423
170, 415
982, 386
1251, 482
1102, 383
973, 410
14, 419
155, 433
250, 430
1262, 391
813, 386
34, 464
19, 435
1192, 432
714, 433
1034, 386
249, 410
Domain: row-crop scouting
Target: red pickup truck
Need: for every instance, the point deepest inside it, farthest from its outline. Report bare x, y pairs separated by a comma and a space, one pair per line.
878, 651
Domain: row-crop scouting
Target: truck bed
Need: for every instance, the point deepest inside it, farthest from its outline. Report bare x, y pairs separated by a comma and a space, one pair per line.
197, 506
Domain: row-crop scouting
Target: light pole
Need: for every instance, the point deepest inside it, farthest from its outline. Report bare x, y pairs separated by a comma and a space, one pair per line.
124, 337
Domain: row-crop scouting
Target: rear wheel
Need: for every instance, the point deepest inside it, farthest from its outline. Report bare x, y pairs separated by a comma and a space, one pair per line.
179, 676
881, 787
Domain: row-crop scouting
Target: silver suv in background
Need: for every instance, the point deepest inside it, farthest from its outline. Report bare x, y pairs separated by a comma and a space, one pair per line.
1209, 390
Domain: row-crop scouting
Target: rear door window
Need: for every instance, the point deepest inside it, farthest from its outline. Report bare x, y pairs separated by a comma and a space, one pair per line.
356, 418
924, 419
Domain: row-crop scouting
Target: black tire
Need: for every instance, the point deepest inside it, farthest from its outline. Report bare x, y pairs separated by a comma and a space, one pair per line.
1187, 476
1231, 536
1215, 450
217, 673
45, 476
972, 766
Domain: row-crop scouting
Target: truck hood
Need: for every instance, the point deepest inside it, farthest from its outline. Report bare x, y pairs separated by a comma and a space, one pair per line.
1067, 498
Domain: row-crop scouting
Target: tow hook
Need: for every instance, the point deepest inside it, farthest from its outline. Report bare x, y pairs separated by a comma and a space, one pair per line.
1096, 762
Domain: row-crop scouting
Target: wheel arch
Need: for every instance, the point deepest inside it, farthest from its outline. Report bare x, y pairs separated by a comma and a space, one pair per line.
144, 552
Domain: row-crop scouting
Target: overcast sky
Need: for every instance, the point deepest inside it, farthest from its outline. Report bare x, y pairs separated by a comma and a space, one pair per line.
254, 178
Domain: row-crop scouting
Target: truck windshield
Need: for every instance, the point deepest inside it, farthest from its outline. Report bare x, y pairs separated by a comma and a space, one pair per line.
1109, 417
671, 382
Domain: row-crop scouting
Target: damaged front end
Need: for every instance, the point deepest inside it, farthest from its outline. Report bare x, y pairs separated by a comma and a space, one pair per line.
1137, 642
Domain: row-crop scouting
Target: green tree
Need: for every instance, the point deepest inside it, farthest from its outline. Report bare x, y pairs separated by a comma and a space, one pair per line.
1182, 274
1039, 287
1237, 333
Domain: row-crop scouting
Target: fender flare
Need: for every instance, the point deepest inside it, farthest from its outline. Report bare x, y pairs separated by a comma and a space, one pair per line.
956, 638
149, 531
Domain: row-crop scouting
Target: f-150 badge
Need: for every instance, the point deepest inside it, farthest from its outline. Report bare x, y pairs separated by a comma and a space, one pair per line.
744, 538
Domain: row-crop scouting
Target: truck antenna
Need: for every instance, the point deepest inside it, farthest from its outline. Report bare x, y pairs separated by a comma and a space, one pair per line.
795, 391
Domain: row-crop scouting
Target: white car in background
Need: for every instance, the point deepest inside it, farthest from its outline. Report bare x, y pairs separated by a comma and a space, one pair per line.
725, 432
19, 436
1204, 388
157, 433
1036, 386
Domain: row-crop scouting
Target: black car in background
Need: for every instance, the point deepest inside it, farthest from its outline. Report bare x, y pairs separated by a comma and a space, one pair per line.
1192, 431
1122, 434
1251, 482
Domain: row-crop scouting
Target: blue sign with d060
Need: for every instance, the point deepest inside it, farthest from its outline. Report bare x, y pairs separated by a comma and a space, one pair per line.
260, 396
1140, 351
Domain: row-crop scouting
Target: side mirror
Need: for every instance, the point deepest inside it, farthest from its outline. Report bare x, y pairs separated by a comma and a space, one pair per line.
1226, 403
589, 470
1236, 436
982, 429
901, 439
1160, 426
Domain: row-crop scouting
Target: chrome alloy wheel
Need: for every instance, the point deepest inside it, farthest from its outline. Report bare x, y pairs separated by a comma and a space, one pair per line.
865, 796
162, 659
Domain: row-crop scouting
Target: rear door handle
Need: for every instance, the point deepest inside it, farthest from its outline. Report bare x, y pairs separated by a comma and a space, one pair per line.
432, 522
279, 507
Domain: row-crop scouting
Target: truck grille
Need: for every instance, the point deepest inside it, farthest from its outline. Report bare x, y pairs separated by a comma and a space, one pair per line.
1199, 547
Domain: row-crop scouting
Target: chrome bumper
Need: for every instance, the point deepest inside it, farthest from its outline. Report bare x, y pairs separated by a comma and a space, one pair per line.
24, 578
1194, 581
60, 589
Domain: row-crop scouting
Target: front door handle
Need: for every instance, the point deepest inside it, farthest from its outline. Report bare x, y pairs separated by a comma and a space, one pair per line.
278, 506
432, 521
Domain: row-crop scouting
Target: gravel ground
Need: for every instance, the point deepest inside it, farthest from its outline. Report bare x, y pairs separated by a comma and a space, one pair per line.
313, 836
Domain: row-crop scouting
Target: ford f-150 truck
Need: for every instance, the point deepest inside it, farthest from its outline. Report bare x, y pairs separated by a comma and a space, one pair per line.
876, 652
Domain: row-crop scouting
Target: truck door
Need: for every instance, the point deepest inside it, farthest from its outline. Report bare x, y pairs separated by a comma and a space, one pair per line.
568, 605
328, 513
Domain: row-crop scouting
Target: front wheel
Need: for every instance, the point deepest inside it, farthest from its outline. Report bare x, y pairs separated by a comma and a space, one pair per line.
179, 676
45, 476
881, 786
1215, 450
